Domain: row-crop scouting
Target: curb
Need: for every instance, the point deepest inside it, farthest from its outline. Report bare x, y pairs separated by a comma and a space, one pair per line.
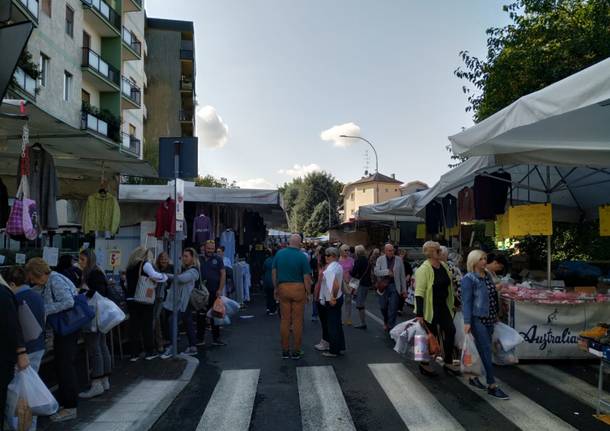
147, 422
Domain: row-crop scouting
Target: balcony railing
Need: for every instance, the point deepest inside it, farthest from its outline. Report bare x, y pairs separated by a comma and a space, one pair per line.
186, 84
185, 115
131, 144
186, 50
93, 60
130, 39
131, 91
91, 121
31, 6
25, 81
113, 18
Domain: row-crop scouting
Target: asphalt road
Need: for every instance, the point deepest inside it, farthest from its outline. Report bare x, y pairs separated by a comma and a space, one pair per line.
247, 385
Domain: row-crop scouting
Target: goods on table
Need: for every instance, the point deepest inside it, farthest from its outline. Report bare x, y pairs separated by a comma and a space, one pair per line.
523, 292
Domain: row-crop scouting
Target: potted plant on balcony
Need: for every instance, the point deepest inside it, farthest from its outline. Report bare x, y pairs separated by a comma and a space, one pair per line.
114, 123
29, 67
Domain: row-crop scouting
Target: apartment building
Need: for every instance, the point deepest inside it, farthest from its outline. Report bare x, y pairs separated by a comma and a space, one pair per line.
89, 58
370, 189
170, 93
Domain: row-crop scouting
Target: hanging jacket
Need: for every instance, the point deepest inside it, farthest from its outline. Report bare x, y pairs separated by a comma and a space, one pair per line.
44, 187
202, 229
101, 213
166, 218
227, 240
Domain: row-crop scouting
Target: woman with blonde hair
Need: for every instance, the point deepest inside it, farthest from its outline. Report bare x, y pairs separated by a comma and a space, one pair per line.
141, 314
435, 304
480, 308
362, 272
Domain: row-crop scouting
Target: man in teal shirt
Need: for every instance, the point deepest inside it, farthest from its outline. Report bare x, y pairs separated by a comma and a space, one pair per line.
291, 281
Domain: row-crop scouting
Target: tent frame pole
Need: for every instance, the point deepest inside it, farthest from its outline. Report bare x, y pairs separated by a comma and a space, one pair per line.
548, 238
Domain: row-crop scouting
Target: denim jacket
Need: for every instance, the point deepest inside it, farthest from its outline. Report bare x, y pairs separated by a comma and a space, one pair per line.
475, 297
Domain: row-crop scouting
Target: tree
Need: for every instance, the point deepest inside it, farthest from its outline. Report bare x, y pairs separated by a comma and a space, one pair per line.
318, 222
211, 181
546, 41
302, 197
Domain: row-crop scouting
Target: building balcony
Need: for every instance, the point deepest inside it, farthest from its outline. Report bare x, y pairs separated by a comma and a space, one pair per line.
95, 122
102, 17
131, 94
26, 10
185, 116
130, 144
132, 44
103, 76
187, 50
186, 85
25, 83
132, 5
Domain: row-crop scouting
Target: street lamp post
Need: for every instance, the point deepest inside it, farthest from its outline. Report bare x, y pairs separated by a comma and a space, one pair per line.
368, 142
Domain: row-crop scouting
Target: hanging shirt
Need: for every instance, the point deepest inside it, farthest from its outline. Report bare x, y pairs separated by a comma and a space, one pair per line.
101, 213
166, 218
227, 240
434, 218
490, 193
450, 211
202, 229
466, 205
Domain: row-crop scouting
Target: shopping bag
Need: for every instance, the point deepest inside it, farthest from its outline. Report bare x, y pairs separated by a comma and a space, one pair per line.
506, 336
199, 298
72, 320
501, 357
231, 307
33, 390
218, 309
471, 361
458, 322
146, 289
420, 348
415, 329
30, 327
108, 314
397, 330
225, 321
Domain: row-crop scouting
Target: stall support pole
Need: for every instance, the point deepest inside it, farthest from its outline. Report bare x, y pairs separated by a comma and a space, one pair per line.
176, 253
548, 238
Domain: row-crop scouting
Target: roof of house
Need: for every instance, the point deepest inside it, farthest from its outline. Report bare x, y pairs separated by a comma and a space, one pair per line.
375, 178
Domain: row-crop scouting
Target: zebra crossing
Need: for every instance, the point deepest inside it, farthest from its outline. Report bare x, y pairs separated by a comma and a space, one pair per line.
323, 405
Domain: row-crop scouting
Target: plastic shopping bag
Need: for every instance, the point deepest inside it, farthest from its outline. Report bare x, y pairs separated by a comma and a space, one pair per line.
231, 307
458, 322
471, 361
397, 330
507, 336
225, 321
218, 308
420, 348
109, 314
501, 357
33, 390
415, 329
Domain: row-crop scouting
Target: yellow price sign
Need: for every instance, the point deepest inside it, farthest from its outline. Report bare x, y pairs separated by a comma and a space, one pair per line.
604, 220
114, 258
421, 231
502, 230
533, 219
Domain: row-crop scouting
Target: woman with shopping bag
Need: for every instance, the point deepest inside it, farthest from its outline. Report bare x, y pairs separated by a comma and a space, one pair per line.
435, 305
480, 308
94, 281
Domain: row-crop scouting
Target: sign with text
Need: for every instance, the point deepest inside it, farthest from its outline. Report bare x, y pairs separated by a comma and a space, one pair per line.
533, 219
179, 200
114, 258
420, 233
604, 220
50, 255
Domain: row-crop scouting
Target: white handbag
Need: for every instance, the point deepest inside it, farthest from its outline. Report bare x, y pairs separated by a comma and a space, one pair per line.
146, 289
354, 283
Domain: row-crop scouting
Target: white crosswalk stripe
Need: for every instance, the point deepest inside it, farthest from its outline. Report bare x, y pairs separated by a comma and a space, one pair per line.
417, 407
230, 408
570, 385
323, 407
521, 411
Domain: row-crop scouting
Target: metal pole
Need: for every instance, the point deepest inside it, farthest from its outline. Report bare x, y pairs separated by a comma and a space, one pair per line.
548, 238
368, 142
176, 254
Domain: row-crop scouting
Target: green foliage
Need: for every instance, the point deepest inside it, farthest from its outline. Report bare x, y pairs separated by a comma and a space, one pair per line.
546, 41
306, 202
212, 181
28, 65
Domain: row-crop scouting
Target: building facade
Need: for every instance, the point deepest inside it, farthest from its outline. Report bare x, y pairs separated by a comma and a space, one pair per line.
89, 55
370, 189
170, 68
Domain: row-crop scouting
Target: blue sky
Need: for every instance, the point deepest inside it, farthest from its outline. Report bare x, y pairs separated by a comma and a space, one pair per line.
279, 72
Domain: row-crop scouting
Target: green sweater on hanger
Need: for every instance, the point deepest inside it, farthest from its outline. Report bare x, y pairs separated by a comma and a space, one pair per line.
101, 213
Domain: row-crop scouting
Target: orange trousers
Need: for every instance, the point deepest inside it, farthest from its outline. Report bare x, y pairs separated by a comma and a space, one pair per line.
292, 298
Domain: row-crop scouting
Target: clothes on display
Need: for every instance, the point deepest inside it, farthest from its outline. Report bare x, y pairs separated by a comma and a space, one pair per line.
227, 240
202, 229
44, 186
242, 281
4, 208
254, 228
450, 211
101, 213
434, 218
166, 218
490, 194
465, 205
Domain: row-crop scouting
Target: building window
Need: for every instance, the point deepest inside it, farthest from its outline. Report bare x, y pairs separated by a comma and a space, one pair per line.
387, 190
67, 85
69, 21
132, 130
43, 64
46, 7
352, 196
85, 97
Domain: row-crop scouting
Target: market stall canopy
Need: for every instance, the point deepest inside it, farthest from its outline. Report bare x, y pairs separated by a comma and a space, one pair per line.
80, 157
566, 123
402, 206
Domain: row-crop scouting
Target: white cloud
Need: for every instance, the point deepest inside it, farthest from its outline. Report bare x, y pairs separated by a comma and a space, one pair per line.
211, 129
333, 134
300, 170
255, 183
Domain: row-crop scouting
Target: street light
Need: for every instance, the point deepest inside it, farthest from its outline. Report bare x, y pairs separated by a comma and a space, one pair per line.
368, 142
